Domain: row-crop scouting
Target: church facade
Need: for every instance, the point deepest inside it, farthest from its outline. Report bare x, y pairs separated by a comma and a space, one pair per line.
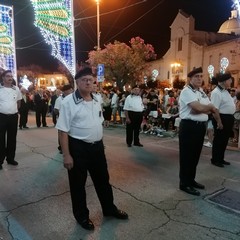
189, 48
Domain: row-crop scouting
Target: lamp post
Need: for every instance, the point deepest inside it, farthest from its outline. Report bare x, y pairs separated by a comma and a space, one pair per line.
98, 25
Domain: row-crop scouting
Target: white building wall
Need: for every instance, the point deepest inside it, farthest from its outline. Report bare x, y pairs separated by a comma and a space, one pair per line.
196, 52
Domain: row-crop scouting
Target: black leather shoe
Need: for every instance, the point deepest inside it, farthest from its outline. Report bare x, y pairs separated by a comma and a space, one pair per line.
189, 190
225, 162
26, 127
138, 145
129, 145
198, 185
15, 163
1, 167
117, 214
87, 224
217, 164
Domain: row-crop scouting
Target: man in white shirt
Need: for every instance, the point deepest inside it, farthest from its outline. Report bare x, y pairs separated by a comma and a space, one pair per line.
194, 107
81, 132
10, 97
224, 102
133, 108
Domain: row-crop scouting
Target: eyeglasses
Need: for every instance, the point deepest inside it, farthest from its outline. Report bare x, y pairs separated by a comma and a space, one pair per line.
10, 76
85, 80
198, 76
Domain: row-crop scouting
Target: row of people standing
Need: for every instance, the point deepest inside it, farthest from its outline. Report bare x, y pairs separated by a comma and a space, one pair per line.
194, 109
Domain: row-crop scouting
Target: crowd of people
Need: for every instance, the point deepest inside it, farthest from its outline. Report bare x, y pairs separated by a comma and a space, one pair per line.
80, 116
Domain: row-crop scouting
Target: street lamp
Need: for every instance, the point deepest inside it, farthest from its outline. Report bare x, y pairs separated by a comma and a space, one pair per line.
98, 25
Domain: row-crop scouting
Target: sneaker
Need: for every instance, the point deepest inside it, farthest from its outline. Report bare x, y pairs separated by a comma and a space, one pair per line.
207, 144
159, 135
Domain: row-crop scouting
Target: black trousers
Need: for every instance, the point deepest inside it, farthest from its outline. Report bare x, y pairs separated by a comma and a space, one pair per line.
54, 117
89, 158
191, 138
8, 136
133, 128
23, 118
221, 137
41, 116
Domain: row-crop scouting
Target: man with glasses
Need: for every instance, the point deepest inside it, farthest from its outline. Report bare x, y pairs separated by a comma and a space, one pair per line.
81, 132
10, 97
194, 107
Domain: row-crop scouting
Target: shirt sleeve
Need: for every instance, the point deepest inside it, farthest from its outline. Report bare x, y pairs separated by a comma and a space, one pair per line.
216, 100
19, 95
188, 97
65, 117
57, 103
126, 104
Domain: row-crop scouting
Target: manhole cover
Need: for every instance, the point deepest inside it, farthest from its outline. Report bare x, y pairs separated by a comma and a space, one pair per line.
227, 198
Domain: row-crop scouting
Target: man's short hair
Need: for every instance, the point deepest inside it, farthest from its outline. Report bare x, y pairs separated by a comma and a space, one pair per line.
66, 87
84, 72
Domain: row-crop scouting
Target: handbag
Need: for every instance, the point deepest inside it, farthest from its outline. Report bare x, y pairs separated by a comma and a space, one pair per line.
237, 115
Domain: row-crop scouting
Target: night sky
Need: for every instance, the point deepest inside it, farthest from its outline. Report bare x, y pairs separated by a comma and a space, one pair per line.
150, 19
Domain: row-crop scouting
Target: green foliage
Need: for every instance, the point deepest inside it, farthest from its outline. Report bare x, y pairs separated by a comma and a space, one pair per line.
123, 63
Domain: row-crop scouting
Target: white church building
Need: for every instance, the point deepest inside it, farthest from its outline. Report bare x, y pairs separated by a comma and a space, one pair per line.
190, 48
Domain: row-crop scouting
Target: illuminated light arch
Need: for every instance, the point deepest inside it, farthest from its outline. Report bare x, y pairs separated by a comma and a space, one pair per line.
7, 40
54, 18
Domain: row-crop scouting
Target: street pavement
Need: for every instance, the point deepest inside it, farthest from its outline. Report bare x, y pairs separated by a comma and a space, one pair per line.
35, 201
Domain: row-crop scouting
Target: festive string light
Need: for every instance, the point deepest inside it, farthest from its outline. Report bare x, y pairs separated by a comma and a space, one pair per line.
54, 18
7, 43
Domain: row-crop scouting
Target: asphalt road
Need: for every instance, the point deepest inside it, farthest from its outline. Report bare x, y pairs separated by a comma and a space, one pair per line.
35, 201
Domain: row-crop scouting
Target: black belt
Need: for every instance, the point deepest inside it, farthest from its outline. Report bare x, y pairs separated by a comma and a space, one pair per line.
89, 143
3, 114
227, 115
193, 122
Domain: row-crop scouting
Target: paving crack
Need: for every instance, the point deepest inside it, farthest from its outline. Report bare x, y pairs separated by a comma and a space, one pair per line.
10, 211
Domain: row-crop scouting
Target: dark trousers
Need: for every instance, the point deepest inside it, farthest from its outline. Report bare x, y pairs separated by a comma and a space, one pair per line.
23, 118
41, 117
8, 131
54, 117
191, 137
221, 137
89, 158
133, 128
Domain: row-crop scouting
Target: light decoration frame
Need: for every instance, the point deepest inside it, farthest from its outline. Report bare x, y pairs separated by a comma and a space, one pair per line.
55, 20
224, 62
7, 40
211, 71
